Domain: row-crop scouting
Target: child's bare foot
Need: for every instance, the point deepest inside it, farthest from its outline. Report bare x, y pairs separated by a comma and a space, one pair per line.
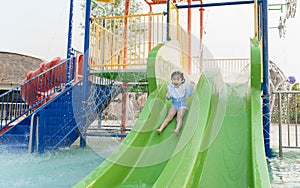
175, 132
158, 131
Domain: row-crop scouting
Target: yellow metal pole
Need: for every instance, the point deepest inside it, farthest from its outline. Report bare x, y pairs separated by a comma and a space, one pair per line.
256, 19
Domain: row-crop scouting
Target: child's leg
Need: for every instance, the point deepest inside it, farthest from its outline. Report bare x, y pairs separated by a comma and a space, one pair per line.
169, 117
180, 115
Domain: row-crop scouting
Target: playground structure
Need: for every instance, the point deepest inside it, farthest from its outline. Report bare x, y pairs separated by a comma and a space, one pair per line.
136, 162
63, 97
289, 8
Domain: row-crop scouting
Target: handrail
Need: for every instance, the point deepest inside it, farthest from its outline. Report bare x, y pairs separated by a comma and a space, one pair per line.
37, 135
40, 146
288, 121
115, 47
34, 92
286, 92
30, 149
129, 16
66, 90
36, 114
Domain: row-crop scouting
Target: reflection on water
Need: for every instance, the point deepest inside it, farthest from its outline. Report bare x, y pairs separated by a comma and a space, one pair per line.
62, 168
66, 167
285, 171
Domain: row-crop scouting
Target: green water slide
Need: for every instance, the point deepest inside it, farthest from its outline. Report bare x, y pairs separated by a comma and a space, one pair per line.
220, 145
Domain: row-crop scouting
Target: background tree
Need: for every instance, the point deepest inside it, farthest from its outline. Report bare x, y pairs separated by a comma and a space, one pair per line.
295, 104
114, 9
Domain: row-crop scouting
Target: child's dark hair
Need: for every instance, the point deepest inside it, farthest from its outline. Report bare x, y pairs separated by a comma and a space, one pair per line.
179, 74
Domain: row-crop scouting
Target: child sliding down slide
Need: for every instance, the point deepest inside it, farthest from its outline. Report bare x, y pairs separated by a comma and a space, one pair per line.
177, 92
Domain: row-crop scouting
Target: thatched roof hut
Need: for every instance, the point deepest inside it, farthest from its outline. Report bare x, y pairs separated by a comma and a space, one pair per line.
14, 67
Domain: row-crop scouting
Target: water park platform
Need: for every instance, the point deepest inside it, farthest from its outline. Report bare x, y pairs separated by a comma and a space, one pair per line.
225, 132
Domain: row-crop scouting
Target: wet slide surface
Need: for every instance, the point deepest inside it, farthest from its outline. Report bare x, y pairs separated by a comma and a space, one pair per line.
143, 154
216, 147
219, 150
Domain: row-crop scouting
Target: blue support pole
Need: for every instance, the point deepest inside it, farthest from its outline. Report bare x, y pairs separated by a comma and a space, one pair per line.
70, 30
265, 84
168, 20
69, 50
85, 64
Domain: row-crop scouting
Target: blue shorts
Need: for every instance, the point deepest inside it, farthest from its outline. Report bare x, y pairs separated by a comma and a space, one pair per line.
178, 105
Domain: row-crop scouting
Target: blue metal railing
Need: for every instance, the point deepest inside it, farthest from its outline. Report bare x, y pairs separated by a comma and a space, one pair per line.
62, 129
38, 88
65, 131
61, 83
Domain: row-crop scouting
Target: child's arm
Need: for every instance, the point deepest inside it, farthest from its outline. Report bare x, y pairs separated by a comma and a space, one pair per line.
168, 96
189, 89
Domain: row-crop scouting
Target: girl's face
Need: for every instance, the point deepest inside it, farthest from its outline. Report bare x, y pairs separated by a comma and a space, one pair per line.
177, 81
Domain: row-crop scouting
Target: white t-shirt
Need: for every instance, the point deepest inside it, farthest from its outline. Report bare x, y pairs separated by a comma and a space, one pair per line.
180, 92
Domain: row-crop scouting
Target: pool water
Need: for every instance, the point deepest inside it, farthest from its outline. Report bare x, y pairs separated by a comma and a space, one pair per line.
66, 167
58, 169
285, 171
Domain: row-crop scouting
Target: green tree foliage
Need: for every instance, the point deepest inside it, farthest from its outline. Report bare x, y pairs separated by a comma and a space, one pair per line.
118, 7
290, 106
114, 9
295, 104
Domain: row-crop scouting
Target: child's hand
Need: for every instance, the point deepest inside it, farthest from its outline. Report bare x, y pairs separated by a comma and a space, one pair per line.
168, 95
193, 83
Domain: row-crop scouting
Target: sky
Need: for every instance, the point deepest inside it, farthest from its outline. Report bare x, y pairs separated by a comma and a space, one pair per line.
39, 28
